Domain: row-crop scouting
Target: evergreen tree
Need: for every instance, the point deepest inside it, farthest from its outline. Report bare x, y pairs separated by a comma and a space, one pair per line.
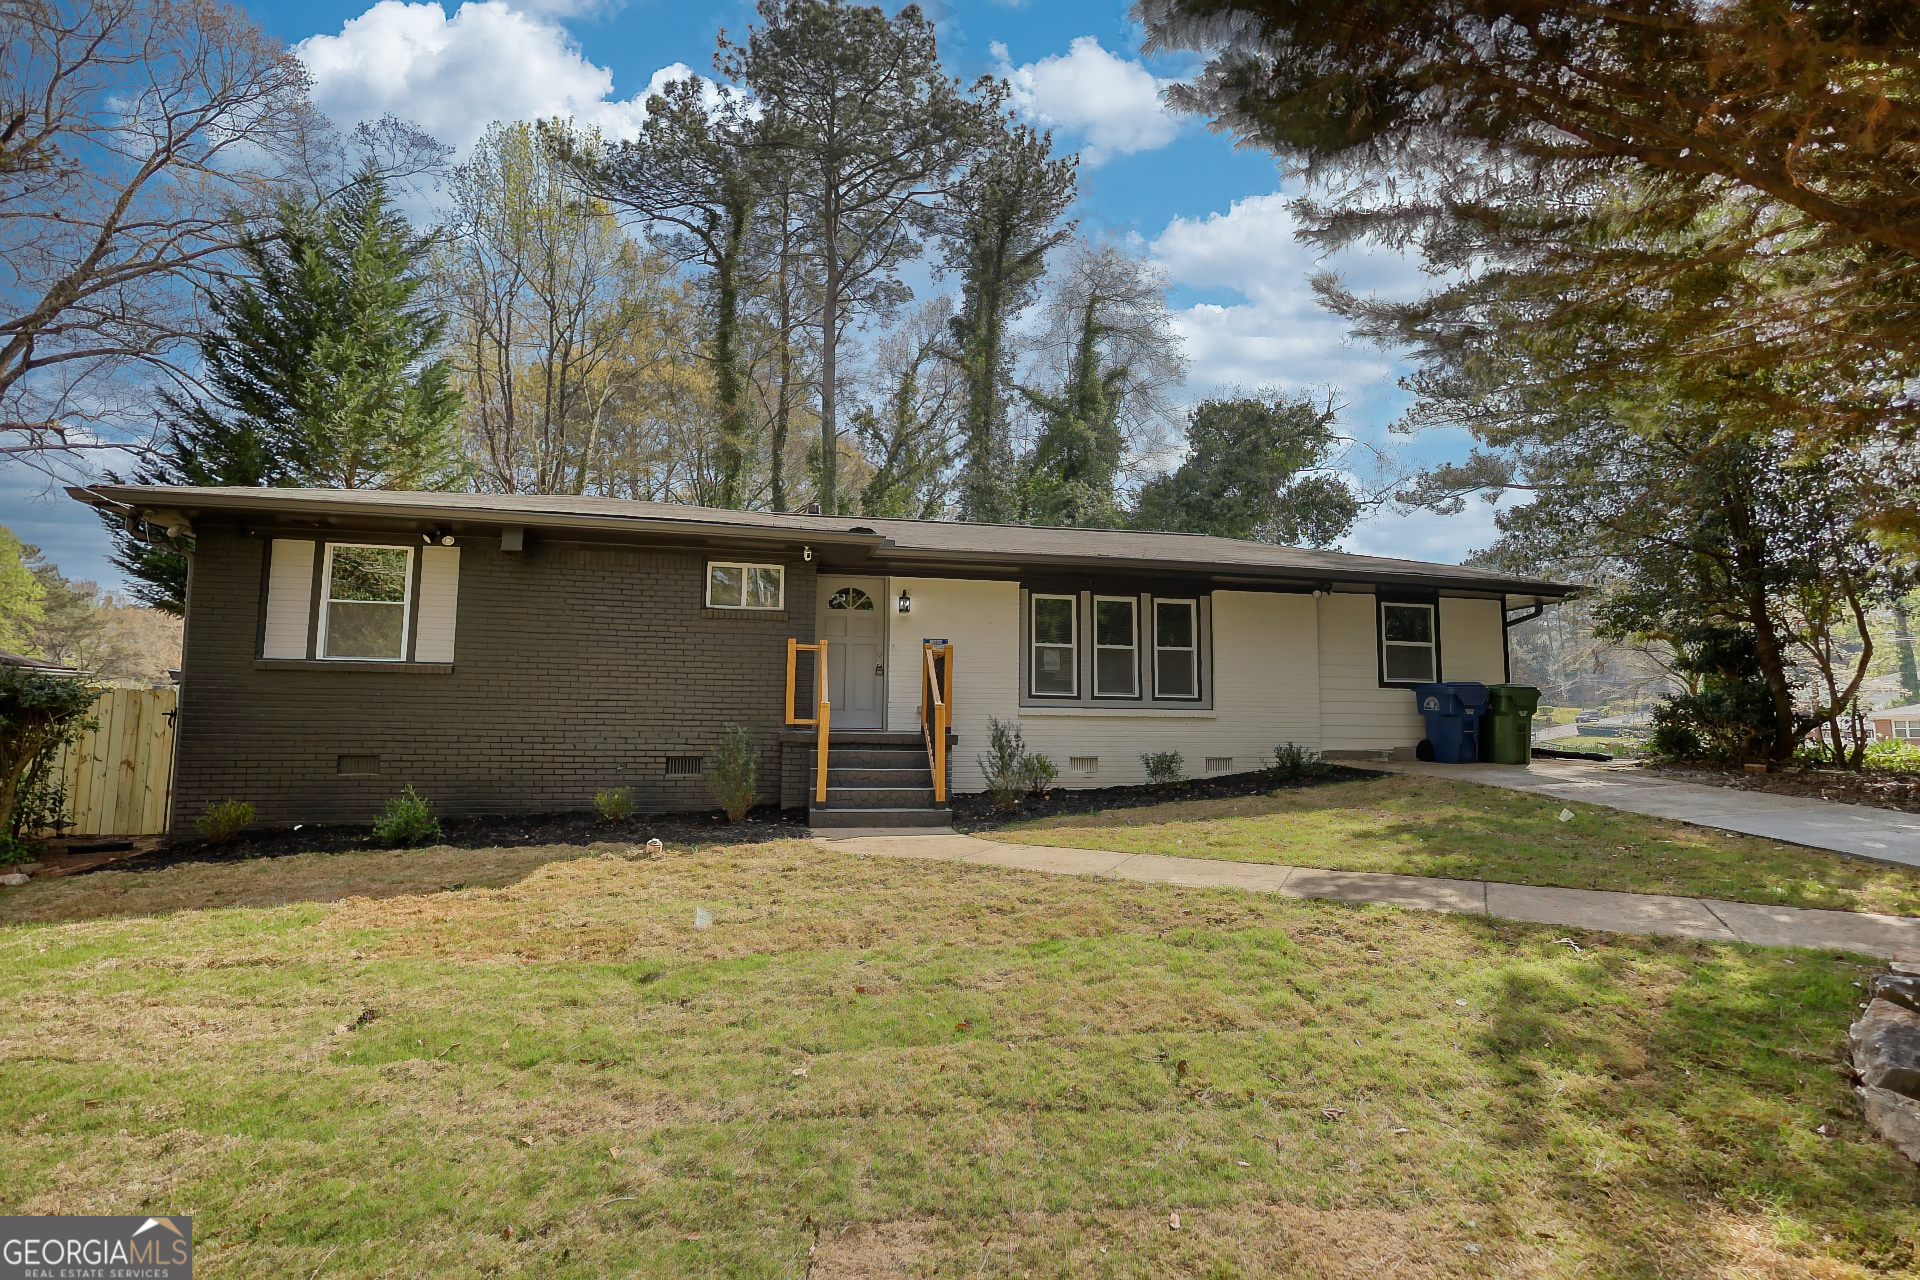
1255, 468
695, 174
871, 132
999, 224
317, 372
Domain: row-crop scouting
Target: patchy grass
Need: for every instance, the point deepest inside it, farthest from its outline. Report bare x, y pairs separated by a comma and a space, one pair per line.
1435, 827
342, 1066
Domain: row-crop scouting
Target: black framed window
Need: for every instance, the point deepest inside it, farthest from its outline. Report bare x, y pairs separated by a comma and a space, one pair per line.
1055, 629
1409, 642
1102, 645
1116, 647
1176, 648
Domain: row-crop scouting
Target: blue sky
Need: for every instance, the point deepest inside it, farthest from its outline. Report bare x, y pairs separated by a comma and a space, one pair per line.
1214, 216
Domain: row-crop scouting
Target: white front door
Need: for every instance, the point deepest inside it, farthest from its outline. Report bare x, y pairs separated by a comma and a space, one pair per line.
853, 622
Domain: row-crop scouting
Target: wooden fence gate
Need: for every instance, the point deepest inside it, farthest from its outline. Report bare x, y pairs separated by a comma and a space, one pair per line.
119, 775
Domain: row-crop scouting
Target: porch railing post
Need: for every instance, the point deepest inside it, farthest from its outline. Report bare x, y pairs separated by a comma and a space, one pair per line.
826, 718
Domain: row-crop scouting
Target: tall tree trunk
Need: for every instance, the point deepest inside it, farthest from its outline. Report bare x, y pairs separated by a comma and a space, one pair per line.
1749, 556
1903, 649
829, 352
783, 395
726, 360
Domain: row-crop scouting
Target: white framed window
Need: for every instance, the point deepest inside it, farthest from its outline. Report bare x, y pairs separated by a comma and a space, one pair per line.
1408, 651
1055, 628
746, 586
1176, 648
1116, 647
366, 594
1908, 730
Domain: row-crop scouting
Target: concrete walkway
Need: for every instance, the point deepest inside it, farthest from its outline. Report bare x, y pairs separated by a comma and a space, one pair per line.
1883, 835
1890, 937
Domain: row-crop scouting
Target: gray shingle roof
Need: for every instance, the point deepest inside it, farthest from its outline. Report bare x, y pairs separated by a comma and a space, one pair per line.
902, 545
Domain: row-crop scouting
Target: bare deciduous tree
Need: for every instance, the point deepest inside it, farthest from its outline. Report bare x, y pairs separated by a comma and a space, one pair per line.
135, 136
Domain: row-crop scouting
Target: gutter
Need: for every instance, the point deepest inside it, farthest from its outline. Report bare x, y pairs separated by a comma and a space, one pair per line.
892, 556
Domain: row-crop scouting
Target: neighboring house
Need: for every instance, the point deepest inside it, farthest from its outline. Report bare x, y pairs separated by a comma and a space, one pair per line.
1897, 722
508, 653
37, 664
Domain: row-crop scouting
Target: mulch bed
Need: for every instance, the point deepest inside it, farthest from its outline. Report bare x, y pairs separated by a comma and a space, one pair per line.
976, 812
1879, 788
582, 829
971, 813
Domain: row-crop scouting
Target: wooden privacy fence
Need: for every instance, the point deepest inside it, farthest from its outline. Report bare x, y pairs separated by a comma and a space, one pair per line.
119, 774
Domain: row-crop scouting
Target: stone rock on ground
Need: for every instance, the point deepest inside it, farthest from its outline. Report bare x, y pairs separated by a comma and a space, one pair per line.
1886, 1048
1893, 1117
1902, 989
14, 879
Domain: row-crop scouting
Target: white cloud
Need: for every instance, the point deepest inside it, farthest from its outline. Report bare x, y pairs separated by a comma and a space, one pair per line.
1279, 335
1114, 104
1422, 535
454, 76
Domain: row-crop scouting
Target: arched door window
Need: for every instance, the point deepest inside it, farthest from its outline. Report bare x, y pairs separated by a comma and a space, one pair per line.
851, 598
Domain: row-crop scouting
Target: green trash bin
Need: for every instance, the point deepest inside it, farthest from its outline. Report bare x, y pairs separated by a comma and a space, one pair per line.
1508, 734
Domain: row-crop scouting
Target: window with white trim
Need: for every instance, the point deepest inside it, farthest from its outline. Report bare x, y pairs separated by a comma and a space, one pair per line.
1116, 647
733, 585
1176, 648
1908, 730
1408, 648
1055, 627
365, 596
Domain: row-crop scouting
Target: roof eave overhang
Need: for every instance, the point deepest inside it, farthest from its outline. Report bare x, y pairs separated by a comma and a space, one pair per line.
279, 508
290, 511
897, 559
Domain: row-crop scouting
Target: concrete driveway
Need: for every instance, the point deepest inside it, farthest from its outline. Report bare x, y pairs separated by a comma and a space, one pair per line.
1883, 835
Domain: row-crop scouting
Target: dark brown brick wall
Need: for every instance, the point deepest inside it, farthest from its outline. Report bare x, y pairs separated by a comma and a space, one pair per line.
575, 669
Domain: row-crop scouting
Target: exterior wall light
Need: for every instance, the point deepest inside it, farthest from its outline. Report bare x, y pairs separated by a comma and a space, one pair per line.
906, 601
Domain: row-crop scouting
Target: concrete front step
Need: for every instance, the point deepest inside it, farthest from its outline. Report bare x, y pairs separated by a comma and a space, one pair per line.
836, 818
880, 797
911, 776
839, 757
869, 738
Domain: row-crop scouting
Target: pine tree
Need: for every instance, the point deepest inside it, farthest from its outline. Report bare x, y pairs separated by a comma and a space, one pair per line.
318, 372
999, 223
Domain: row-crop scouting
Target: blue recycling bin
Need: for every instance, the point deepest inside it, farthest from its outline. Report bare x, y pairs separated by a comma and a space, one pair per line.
1454, 711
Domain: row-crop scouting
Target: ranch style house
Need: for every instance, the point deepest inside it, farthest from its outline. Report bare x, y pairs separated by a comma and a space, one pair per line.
518, 653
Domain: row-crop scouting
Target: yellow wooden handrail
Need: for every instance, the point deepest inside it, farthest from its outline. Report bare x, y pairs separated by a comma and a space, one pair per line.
936, 712
823, 713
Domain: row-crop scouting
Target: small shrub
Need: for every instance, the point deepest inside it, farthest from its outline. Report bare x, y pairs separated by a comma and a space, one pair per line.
1892, 753
614, 804
13, 849
219, 823
1037, 772
1164, 768
38, 713
1294, 764
41, 803
1012, 771
408, 821
734, 774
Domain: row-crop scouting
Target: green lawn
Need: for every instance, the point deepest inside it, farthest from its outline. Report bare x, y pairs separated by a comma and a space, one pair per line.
1433, 827
527, 1062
